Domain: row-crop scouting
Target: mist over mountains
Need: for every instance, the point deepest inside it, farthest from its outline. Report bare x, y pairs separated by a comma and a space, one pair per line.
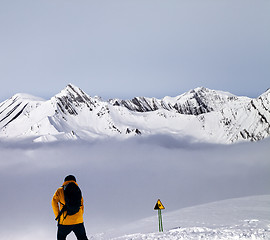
202, 114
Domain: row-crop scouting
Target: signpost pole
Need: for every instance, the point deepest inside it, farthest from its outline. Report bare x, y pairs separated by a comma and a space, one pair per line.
160, 221
161, 225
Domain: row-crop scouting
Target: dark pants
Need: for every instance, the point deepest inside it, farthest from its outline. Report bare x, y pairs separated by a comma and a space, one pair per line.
78, 229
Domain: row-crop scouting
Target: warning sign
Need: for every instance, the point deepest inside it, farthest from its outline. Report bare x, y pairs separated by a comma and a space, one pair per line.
159, 205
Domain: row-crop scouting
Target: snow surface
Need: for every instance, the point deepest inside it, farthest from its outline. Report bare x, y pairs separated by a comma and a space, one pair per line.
242, 218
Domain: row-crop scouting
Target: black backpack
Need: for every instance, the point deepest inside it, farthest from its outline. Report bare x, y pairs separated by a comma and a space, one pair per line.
73, 199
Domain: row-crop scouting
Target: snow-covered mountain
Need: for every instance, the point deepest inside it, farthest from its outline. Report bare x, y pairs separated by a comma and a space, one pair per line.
203, 114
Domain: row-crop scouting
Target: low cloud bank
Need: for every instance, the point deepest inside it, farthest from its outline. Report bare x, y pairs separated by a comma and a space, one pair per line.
121, 180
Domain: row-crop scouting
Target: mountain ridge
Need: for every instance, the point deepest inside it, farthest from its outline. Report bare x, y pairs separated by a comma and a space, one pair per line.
205, 114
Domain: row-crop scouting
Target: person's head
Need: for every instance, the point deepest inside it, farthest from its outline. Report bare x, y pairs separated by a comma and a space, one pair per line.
70, 178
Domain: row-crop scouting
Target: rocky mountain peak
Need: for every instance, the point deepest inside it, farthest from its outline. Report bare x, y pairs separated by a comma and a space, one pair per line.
74, 93
266, 94
72, 97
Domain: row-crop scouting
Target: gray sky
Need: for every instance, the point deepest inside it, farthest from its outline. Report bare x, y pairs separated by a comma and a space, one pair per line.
127, 48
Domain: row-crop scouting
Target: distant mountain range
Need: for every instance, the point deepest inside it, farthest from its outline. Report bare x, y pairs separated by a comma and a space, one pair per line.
203, 114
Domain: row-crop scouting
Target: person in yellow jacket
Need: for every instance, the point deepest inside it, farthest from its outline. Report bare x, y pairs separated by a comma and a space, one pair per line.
68, 223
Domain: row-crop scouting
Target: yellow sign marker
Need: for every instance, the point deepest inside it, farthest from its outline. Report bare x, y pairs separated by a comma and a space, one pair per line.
159, 205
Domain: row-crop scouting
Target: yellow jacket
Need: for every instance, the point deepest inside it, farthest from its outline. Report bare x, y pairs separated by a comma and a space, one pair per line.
58, 200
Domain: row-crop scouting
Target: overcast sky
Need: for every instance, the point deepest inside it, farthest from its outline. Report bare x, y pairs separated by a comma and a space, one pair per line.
127, 48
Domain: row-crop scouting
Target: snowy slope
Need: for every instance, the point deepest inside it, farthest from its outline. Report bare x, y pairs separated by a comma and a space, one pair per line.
203, 114
242, 218
12, 108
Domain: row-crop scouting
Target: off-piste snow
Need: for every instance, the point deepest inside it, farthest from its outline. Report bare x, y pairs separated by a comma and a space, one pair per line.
241, 218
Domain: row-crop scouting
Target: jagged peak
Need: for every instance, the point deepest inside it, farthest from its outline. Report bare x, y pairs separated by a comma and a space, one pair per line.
200, 89
209, 91
71, 89
266, 94
73, 92
71, 97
